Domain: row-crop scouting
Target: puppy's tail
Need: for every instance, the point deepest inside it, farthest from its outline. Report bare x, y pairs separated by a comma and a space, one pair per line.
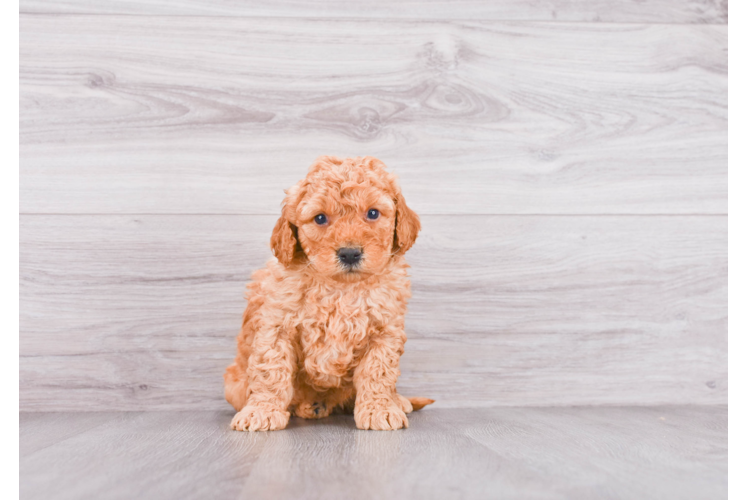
419, 403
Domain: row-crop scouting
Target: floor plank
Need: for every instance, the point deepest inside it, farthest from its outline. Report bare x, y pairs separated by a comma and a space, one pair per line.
653, 11
140, 312
131, 114
39, 431
137, 455
543, 453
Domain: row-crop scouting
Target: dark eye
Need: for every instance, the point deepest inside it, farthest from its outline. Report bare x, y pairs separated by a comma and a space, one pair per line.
372, 214
320, 219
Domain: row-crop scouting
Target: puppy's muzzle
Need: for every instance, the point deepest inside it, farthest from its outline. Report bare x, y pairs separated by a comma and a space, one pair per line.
349, 257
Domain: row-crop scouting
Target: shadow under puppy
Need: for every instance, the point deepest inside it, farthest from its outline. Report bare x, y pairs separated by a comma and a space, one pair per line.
324, 326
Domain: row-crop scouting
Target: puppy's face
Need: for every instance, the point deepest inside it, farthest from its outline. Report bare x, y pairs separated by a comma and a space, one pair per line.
347, 235
346, 220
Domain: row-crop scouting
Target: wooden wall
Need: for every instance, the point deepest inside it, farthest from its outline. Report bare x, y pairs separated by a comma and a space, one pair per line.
569, 163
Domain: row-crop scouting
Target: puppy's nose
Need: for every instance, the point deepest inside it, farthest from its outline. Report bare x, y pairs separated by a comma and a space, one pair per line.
349, 256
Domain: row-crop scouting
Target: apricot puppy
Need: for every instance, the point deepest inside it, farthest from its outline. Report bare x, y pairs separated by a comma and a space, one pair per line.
323, 330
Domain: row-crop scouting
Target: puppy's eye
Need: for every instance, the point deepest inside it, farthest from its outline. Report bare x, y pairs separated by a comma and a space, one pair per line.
320, 219
372, 214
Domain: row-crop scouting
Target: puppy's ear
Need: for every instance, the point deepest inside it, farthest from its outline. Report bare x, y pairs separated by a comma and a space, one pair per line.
285, 238
284, 241
407, 226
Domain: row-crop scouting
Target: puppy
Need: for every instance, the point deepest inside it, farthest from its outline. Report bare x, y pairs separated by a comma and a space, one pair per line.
323, 330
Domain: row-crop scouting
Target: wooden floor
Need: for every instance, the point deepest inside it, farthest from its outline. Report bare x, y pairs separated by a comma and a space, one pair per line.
535, 453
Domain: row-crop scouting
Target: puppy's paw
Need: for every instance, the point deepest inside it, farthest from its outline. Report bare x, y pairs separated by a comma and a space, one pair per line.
257, 419
403, 403
317, 409
378, 417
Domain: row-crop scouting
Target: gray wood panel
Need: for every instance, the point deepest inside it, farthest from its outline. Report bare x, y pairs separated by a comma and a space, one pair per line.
652, 11
543, 453
140, 312
137, 114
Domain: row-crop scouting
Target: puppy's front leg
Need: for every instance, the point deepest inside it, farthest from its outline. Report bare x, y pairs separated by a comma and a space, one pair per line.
270, 372
375, 379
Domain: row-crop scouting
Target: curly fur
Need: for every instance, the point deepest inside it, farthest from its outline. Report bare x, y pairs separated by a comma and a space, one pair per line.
317, 336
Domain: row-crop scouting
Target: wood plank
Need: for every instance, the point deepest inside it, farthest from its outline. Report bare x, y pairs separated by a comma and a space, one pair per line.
544, 453
38, 431
627, 11
137, 455
129, 114
140, 312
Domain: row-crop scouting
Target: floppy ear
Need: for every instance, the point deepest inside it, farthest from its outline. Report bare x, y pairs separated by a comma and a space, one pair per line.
285, 238
407, 225
284, 241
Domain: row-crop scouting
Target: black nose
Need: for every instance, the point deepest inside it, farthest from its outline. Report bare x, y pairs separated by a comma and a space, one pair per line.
349, 256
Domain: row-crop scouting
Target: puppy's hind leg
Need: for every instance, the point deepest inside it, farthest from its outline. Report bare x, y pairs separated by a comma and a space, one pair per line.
308, 402
403, 402
314, 404
313, 409
409, 405
235, 385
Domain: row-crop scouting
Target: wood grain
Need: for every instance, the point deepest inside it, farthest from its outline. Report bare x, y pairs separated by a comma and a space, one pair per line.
653, 11
543, 453
140, 312
137, 114
134, 455
569, 161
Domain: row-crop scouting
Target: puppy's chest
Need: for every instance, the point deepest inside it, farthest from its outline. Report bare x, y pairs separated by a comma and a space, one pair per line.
334, 332
337, 322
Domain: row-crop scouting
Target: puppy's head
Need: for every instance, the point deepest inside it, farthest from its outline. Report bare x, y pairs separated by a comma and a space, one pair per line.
346, 219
